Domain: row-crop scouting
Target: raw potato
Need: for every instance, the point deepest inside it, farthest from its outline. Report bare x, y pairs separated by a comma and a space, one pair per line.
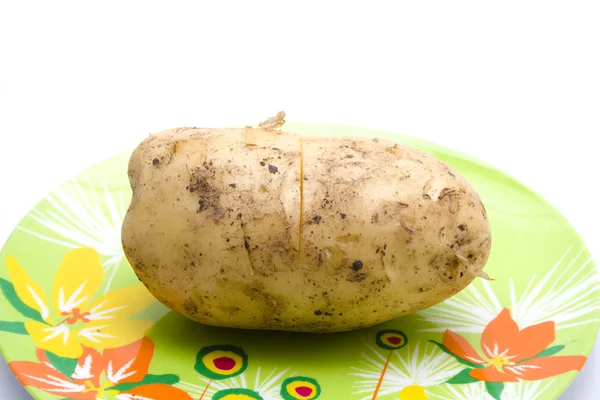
256, 228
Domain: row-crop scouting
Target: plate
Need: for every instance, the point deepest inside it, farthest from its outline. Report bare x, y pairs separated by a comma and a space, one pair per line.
76, 322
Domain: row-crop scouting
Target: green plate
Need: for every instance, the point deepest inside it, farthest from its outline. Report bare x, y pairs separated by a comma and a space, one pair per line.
76, 323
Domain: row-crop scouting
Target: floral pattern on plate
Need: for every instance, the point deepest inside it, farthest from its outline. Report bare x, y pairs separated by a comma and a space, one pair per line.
77, 324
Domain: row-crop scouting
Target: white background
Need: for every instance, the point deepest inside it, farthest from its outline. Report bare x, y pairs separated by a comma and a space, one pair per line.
516, 84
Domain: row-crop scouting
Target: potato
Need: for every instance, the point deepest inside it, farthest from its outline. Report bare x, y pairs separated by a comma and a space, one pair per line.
256, 228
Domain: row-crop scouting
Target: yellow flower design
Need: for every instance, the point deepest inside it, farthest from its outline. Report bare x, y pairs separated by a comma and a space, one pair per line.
413, 392
75, 319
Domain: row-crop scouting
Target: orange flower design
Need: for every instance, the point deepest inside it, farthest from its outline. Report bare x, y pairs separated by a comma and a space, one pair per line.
511, 354
118, 373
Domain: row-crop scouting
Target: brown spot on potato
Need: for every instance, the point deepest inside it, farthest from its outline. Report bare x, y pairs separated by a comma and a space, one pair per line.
356, 277
454, 206
349, 238
483, 211
395, 151
156, 161
273, 169
201, 183
190, 307
357, 265
407, 228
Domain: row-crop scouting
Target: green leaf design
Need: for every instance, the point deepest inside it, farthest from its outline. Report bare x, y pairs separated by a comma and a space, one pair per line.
460, 360
495, 389
11, 295
462, 378
65, 365
13, 327
550, 351
167, 379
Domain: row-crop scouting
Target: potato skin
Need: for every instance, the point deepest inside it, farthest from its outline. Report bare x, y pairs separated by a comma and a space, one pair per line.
255, 228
